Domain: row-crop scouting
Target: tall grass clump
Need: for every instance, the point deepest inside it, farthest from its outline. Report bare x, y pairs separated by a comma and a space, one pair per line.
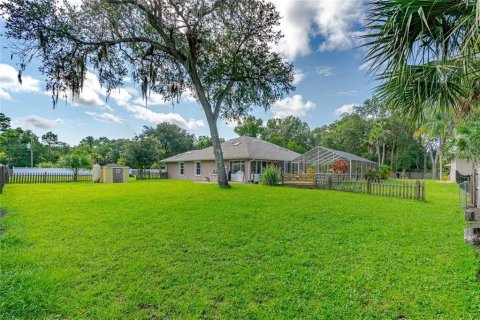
271, 176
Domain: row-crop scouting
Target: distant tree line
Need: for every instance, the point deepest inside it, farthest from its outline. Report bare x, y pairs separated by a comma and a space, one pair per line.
370, 131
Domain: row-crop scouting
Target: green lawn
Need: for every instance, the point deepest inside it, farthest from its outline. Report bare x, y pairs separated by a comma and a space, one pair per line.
181, 250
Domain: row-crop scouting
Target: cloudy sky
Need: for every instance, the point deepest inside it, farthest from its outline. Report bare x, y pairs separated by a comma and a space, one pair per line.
321, 39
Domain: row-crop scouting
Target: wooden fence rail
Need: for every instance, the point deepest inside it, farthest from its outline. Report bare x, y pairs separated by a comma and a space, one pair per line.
47, 177
298, 180
395, 189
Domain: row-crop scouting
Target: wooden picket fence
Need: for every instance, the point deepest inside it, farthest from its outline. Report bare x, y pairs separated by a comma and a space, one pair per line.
47, 177
390, 188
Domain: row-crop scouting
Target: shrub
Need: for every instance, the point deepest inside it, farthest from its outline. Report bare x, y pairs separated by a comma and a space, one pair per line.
271, 176
372, 174
384, 172
310, 172
46, 165
340, 166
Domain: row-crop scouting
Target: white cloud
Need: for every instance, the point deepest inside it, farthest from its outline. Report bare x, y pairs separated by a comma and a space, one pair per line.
105, 117
122, 96
334, 21
365, 66
4, 95
36, 122
296, 26
153, 99
9, 81
324, 71
292, 106
145, 114
345, 109
298, 76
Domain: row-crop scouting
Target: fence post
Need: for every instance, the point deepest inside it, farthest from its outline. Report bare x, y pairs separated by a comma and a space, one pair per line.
423, 190
417, 189
45, 177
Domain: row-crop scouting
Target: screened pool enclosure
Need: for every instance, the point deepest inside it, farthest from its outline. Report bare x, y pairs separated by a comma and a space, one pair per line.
322, 160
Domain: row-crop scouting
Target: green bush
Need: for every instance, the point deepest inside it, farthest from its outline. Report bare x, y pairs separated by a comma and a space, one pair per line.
46, 165
384, 172
271, 176
372, 174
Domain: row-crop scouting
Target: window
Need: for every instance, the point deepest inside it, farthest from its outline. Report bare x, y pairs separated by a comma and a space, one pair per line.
181, 168
198, 168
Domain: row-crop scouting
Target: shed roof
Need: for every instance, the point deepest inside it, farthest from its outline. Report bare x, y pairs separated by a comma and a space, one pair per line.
239, 148
324, 155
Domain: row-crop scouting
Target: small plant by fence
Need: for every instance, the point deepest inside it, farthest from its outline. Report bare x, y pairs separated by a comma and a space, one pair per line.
47, 177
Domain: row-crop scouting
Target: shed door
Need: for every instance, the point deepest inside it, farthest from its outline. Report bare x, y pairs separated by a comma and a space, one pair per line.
117, 175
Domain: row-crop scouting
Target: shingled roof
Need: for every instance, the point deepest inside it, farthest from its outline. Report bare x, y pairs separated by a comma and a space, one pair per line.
239, 148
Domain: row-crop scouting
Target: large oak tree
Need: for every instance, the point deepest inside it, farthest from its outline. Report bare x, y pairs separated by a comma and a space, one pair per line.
218, 50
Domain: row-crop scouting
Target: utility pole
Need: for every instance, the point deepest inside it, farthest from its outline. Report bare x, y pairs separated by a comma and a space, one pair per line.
31, 151
30, 146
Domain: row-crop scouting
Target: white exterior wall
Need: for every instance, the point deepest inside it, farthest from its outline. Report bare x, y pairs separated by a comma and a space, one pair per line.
464, 167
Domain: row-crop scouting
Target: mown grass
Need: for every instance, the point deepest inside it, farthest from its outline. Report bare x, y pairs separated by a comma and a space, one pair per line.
181, 250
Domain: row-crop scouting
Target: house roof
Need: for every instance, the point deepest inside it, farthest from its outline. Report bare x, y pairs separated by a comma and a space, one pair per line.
239, 148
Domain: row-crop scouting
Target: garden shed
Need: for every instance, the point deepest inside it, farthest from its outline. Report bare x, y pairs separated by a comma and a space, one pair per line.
114, 173
329, 161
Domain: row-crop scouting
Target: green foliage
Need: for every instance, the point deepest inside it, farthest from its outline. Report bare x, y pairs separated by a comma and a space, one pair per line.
271, 176
126, 251
371, 175
76, 161
46, 165
290, 132
384, 172
425, 54
4, 122
467, 140
141, 152
250, 126
171, 139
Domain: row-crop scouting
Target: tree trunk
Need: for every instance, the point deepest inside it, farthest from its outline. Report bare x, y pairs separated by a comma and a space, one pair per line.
383, 154
440, 161
377, 149
217, 149
434, 164
425, 160
212, 118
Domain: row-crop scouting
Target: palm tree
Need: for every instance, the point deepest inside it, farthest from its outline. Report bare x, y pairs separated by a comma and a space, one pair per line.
434, 130
426, 54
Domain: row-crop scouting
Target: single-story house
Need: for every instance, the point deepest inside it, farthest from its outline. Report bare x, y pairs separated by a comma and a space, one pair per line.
245, 159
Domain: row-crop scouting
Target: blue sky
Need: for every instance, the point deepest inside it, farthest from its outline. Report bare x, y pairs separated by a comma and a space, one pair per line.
321, 39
